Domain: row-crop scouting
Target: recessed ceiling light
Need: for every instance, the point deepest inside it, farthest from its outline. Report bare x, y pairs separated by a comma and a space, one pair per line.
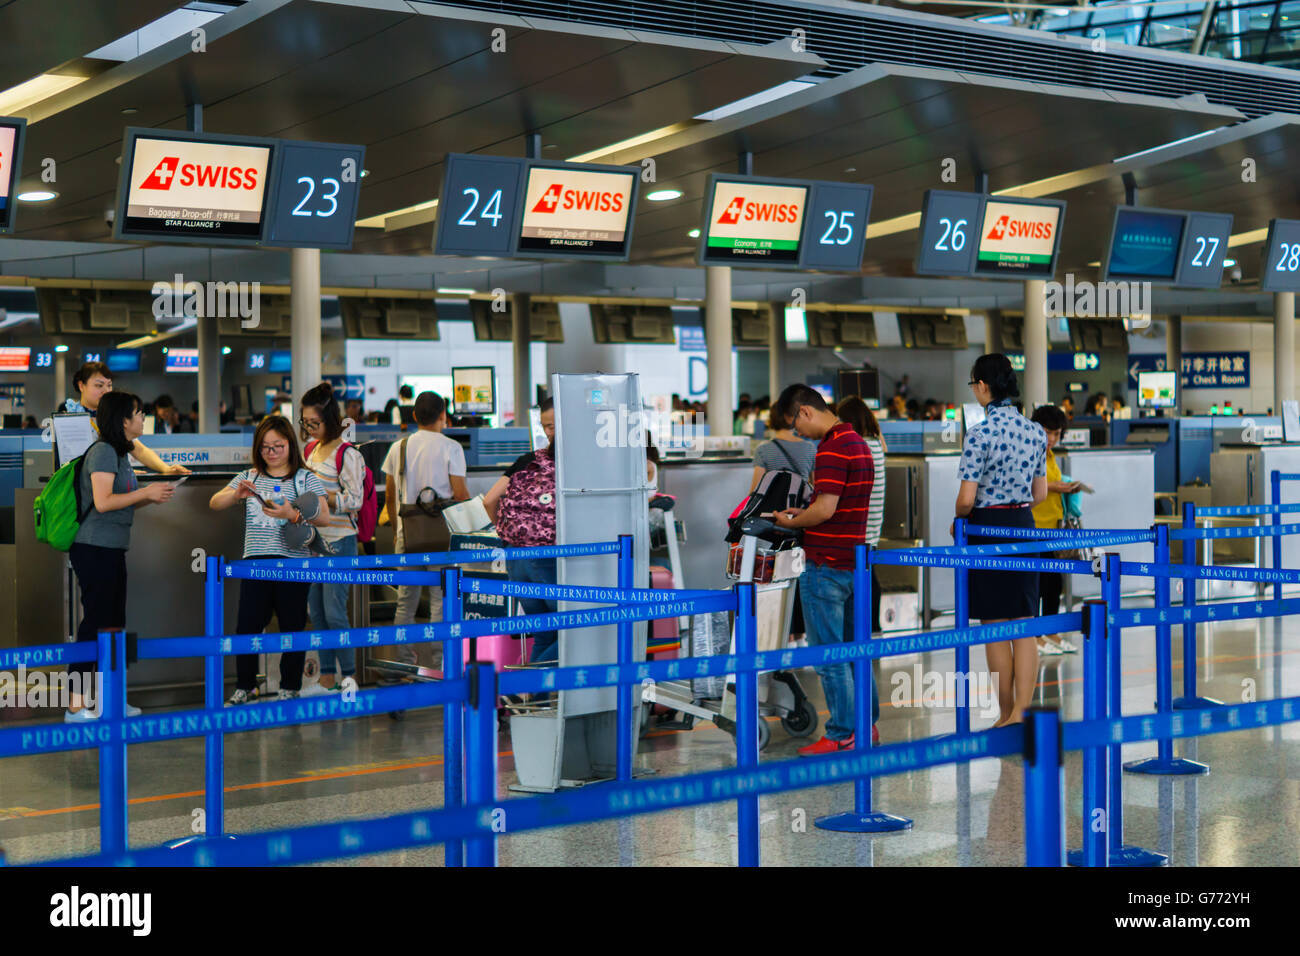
551, 146
851, 169
60, 348
663, 195
225, 350
36, 195
448, 290
129, 111
694, 234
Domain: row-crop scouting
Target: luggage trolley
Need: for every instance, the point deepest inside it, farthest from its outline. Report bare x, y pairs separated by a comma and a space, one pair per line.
774, 573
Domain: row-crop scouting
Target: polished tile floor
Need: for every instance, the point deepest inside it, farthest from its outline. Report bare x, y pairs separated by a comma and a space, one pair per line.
1246, 812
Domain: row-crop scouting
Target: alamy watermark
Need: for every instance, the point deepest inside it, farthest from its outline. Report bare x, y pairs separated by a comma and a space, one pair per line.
192, 300
927, 688
1085, 299
39, 689
624, 427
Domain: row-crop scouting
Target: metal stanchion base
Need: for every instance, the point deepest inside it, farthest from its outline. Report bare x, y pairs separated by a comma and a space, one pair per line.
186, 841
1175, 766
1124, 856
852, 822
1195, 703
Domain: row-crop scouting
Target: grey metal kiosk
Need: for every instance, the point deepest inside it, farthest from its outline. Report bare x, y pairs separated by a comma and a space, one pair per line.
601, 491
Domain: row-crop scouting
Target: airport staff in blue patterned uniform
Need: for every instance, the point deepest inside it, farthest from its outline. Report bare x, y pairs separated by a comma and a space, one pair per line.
1003, 475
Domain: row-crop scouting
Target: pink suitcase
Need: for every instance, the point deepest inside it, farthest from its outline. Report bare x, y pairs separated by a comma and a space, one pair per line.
663, 630
502, 650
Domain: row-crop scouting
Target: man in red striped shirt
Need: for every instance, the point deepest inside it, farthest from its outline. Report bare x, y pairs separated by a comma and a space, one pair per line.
833, 526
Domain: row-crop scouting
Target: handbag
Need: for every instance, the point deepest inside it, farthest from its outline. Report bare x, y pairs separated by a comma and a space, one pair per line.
1073, 523
424, 527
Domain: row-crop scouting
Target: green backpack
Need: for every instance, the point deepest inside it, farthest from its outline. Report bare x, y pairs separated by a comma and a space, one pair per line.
57, 508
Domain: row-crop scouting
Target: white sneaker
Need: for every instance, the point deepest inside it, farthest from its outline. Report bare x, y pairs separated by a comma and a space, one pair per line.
315, 689
133, 711
241, 697
1049, 649
83, 716
1068, 647
287, 694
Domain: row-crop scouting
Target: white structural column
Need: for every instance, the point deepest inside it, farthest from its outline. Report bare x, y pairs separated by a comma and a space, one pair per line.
1035, 338
1283, 349
61, 383
520, 321
776, 348
1174, 355
304, 319
210, 372
717, 336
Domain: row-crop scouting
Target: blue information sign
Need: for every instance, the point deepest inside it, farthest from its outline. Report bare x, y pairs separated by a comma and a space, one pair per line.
1144, 244
1200, 369
347, 386
316, 190
1281, 272
949, 223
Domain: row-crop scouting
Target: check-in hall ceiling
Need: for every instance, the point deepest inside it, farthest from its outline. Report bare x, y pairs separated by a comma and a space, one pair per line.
413, 81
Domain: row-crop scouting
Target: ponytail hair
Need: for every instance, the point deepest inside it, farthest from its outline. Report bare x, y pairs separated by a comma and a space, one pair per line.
995, 371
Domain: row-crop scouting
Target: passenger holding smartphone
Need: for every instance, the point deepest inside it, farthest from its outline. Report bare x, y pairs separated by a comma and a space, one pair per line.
98, 552
269, 491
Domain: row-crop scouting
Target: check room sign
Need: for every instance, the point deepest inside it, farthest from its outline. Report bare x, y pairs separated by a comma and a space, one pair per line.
1200, 369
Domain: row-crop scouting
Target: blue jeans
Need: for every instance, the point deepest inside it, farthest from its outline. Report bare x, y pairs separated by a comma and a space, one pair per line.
328, 606
828, 617
546, 644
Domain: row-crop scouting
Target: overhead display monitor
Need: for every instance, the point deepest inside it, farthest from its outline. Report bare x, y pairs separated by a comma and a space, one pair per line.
12, 134
862, 382
1144, 244
123, 360
1205, 246
316, 190
574, 209
836, 229
1281, 269
263, 361
473, 390
15, 358
1157, 389
949, 242
1019, 238
193, 187
182, 360
755, 222
477, 207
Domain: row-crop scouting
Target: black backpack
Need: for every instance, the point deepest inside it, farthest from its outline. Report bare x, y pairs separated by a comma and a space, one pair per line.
777, 490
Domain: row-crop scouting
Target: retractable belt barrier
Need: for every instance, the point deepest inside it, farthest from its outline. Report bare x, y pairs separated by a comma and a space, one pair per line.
472, 818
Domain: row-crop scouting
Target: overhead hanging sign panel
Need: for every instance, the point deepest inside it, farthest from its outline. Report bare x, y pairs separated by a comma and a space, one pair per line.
12, 133
509, 207
1019, 238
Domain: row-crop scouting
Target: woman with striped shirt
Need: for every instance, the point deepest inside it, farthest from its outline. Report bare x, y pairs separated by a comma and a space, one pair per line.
858, 414
269, 491
322, 426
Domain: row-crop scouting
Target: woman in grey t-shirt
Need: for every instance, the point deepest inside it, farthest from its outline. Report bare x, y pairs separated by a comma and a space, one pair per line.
786, 451
98, 554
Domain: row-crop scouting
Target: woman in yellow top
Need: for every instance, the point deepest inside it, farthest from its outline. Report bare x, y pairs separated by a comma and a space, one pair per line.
1050, 514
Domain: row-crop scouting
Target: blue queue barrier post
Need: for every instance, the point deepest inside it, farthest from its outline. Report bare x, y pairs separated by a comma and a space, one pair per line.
961, 612
1164, 761
1190, 700
1120, 853
1275, 482
627, 731
452, 714
214, 692
1044, 788
112, 755
747, 719
481, 760
862, 819
1096, 795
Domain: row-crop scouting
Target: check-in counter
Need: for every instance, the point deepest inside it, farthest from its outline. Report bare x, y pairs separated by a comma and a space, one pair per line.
919, 505
1240, 475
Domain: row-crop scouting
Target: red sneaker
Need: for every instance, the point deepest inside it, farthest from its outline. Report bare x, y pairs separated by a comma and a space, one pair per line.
826, 746
875, 735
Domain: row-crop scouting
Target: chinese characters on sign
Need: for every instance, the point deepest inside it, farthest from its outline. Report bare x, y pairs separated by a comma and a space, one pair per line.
1200, 369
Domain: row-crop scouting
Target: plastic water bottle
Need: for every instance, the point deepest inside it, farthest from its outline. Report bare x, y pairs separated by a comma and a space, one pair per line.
277, 498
